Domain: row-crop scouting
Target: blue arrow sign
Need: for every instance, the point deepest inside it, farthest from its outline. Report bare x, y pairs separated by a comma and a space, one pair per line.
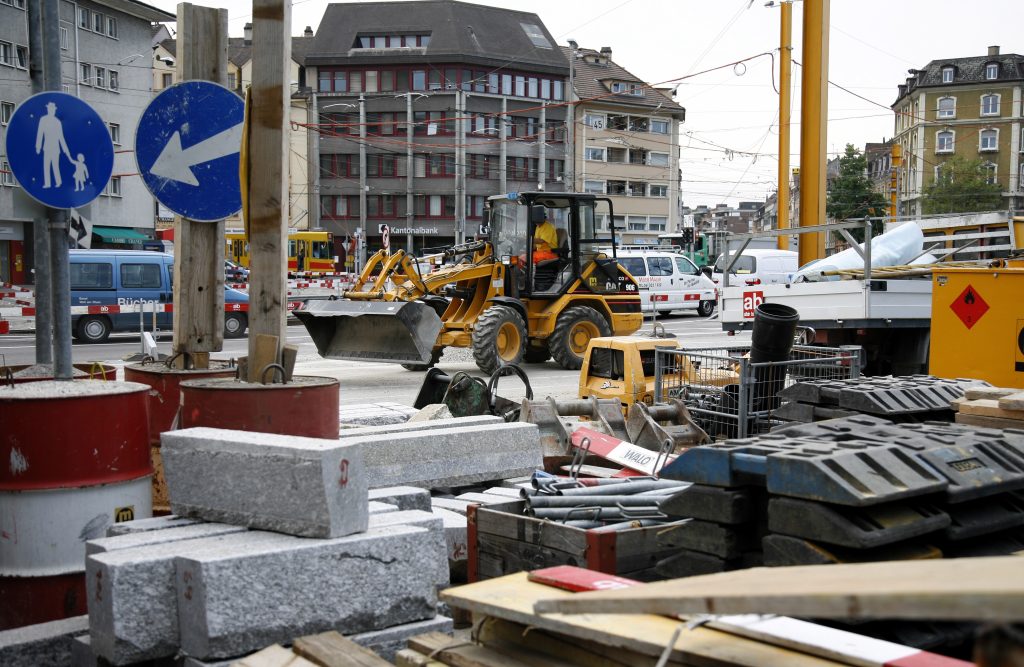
59, 150
186, 147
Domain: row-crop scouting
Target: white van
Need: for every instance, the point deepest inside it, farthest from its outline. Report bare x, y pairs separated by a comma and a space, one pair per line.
757, 267
668, 281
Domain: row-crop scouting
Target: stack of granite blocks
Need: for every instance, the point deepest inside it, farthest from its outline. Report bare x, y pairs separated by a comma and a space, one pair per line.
273, 539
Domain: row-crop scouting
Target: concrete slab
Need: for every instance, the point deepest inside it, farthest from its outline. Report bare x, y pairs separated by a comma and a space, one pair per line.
146, 525
450, 504
147, 538
386, 643
409, 427
438, 544
299, 486
375, 414
41, 644
404, 497
380, 508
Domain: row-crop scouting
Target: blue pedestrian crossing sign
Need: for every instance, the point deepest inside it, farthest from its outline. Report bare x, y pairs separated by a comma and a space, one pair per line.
60, 150
187, 149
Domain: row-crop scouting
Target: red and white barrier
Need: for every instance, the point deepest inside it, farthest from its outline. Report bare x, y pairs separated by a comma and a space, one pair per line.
620, 452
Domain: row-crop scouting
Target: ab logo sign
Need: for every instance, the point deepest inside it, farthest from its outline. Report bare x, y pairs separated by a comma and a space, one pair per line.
751, 300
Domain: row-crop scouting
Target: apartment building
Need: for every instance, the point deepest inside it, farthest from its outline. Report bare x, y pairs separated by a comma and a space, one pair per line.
972, 107
625, 144
106, 53
424, 109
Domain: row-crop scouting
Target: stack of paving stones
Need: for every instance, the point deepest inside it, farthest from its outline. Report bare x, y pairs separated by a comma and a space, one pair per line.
850, 490
909, 398
275, 537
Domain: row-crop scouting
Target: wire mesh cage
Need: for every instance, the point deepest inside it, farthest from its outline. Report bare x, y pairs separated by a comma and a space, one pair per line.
731, 397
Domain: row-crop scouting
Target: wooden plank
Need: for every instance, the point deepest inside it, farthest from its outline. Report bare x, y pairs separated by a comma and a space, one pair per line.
289, 354
460, 653
267, 169
986, 407
513, 597
969, 589
198, 316
1014, 401
410, 658
331, 649
262, 352
988, 422
974, 393
506, 520
273, 656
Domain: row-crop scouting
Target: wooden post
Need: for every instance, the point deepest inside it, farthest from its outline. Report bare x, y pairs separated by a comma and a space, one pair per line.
199, 246
268, 177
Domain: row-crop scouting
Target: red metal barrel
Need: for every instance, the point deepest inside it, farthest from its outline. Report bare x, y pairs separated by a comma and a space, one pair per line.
306, 406
76, 459
40, 372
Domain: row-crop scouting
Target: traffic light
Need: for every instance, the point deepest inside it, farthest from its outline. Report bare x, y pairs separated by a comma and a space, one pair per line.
687, 235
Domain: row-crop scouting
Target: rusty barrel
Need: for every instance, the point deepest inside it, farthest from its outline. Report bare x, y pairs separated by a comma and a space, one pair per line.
306, 406
76, 459
164, 399
42, 372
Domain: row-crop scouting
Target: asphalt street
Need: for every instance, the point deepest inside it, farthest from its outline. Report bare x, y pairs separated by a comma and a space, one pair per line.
366, 382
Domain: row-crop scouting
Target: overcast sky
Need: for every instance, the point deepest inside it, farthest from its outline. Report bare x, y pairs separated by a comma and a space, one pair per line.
730, 138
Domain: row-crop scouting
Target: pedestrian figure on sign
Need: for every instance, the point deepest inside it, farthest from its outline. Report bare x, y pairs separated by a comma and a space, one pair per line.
81, 173
50, 140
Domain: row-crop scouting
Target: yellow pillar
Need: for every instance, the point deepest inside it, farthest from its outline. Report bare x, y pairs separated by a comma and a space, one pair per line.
785, 68
813, 126
894, 170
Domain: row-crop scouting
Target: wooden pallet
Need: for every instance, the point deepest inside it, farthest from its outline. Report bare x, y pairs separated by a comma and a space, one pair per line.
991, 407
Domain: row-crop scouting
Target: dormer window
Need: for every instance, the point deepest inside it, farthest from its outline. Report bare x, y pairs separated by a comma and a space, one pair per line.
391, 41
947, 75
992, 71
627, 88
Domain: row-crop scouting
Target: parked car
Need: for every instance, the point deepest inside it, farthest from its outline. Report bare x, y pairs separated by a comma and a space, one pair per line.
757, 267
669, 281
126, 277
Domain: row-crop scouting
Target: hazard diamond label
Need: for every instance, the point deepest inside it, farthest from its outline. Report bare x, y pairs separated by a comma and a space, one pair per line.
969, 306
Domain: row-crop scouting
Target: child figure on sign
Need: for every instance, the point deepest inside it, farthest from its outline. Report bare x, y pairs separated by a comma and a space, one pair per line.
81, 173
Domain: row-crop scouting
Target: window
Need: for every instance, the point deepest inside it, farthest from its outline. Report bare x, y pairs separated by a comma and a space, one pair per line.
947, 107
7, 177
232, 82
596, 121
83, 18
419, 80
6, 111
638, 223
686, 267
101, 77
637, 189
168, 79
989, 169
990, 105
659, 126
947, 75
989, 140
627, 88
656, 223
594, 187
658, 190
618, 155
21, 57
114, 186
115, 132
657, 159
992, 71
635, 265
535, 35
616, 187
639, 124
86, 73
92, 276
141, 276
65, 38
659, 266
594, 154
617, 122
944, 141
113, 80
111, 27
98, 22
5, 53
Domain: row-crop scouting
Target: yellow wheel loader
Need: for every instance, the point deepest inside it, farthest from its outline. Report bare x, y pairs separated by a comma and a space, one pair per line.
505, 298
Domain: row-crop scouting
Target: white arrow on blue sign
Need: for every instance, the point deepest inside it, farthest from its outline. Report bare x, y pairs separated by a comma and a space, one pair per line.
60, 150
187, 148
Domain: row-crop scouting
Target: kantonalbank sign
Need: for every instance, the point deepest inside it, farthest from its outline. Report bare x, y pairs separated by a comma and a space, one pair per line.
424, 231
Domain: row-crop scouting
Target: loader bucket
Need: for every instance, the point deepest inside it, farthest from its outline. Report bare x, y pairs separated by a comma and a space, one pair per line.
395, 332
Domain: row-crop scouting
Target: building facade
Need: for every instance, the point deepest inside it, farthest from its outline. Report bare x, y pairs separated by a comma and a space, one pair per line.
421, 110
625, 144
106, 53
971, 107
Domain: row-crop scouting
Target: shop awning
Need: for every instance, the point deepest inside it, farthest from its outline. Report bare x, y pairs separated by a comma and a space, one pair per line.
119, 235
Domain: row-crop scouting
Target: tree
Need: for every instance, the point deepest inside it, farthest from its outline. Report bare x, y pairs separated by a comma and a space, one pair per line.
852, 195
962, 186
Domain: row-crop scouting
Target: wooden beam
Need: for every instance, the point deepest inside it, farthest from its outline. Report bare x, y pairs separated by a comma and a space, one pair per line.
199, 246
267, 183
969, 589
331, 649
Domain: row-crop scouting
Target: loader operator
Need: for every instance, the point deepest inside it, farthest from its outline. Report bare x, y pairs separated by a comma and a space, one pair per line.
545, 240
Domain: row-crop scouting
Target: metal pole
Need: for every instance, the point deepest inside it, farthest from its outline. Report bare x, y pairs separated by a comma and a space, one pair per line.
503, 149
409, 171
313, 117
785, 70
460, 167
362, 180
40, 228
813, 115
570, 120
542, 163
60, 285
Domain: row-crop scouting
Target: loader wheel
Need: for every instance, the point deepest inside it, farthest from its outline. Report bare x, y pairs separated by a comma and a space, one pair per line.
435, 357
499, 338
573, 330
537, 354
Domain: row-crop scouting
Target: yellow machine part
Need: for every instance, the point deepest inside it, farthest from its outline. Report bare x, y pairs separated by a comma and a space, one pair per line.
621, 367
978, 324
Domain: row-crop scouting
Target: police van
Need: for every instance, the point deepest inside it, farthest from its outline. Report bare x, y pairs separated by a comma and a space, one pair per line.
668, 280
108, 286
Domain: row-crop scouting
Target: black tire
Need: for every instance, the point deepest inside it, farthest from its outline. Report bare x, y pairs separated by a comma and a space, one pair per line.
537, 354
573, 330
706, 308
234, 325
499, 338
435, 357
93, 329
